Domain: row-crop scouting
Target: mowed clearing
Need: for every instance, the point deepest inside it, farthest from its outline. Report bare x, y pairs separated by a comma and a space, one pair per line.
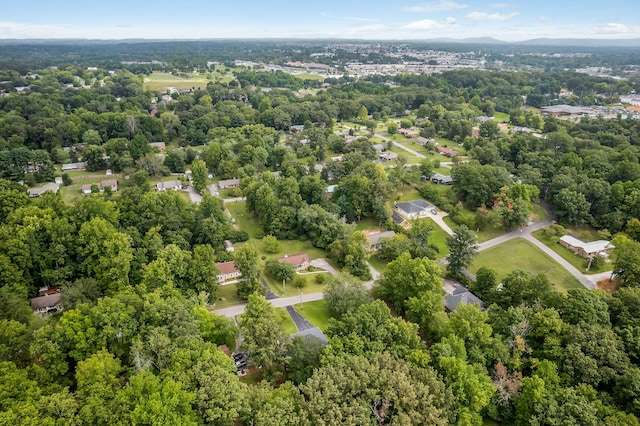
162, 80
521, 254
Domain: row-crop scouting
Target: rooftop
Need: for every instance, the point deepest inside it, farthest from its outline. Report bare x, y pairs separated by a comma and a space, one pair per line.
461, 295
414, 206
375, 238
295, 259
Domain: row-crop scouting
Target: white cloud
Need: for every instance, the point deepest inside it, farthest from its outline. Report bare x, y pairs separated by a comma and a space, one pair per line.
430, 24
435, 6
484, 16
364, 30
347, 18
543, 18
612, 28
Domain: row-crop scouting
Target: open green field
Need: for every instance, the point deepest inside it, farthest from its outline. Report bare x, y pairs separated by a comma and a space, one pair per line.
288, 290
438, 238
367, 223
309, 76
162, 80
285, 321
316, 313
577, 261
521, 254
246, 221
502, 117
485, 234
227, 296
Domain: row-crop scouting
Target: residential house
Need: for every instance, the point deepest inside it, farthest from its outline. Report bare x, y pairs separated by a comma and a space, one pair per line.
111, 183
413, 209
447, 152
312, 333
408, 133
441, 179
74, 166
483, 118
585, 249
47, 302
563, 110
229, 183
299, 261
228, 246
36, 192
379, 148
86, 189
375, 239
388, 156
176, 185
296, 128
228, 271
349, 138
461, 296
330, 190
424, 141
159, 145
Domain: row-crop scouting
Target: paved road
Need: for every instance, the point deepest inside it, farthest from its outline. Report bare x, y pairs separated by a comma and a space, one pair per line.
399, 145
270, 294
301, 322
323, 264
193, 194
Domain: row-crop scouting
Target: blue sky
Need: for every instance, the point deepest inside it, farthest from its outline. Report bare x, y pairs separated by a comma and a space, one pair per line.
372, 19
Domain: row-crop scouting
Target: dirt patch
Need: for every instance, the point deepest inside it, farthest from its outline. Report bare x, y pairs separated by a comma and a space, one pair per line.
608, 285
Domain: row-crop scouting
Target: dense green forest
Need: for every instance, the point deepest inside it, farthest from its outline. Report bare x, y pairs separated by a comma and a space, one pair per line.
138, 341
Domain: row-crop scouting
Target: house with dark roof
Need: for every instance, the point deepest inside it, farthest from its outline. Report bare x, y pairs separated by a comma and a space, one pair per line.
441, 179
461, 296
299, 261
388, 156
375, 240
413, 209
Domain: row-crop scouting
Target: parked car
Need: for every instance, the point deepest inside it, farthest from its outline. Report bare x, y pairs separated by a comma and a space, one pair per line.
434, 212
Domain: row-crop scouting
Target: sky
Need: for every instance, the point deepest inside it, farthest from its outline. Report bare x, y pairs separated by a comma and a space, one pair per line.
514, 20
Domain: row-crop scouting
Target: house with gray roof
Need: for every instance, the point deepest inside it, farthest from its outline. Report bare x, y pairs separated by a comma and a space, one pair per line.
441, 179
461, 296
170, 184
375, 239
36, 192
413, 209
312, 333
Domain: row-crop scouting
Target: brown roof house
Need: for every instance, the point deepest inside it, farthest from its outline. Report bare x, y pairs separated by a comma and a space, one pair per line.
47, 302
228, 271
447, 152
299, 261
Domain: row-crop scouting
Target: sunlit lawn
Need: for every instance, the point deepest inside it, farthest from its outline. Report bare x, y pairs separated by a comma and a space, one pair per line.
285, 320
316, 313
227, 296
161, 80
521, 254
379, 264
288, 290
486, 234
246, 221
501, 117
583, 232
367, 223
438, 238
309, 76
578, 262
538, 213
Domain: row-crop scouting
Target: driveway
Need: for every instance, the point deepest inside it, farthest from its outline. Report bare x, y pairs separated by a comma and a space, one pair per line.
193, 194
439, 220
301, 322
324, 265
399, 145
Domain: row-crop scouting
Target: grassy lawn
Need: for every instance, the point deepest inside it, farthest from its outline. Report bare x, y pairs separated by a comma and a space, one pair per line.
309, 76
316, 313
583, 232
501, 117
485, 234
538, 213
285, 320
406, 154
577, 261
227, 296
289, 290
246, 221
439, 239
378, 264
521, 254
367, 223
407, 193
162, 80
184, 196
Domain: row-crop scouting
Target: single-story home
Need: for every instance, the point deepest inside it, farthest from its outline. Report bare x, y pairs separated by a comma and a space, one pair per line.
483, 118
299, 261
375, 239
112, 183
74, 166
176, 185
441, 179
36, 192
330, 189
228, 246
46, 303
424, 141
228, 271
379, 147
461, 296
408, 133
388, 156
159, 145
312, 333
559, 110
413, 209
229, 183
447, 152
297, 128
86, 189
584, 249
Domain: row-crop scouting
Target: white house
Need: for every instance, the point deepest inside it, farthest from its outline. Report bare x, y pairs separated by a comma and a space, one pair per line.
228, 271
170, 184
413, 209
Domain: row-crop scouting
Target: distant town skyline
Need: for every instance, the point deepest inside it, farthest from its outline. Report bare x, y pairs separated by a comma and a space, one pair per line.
404, 20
